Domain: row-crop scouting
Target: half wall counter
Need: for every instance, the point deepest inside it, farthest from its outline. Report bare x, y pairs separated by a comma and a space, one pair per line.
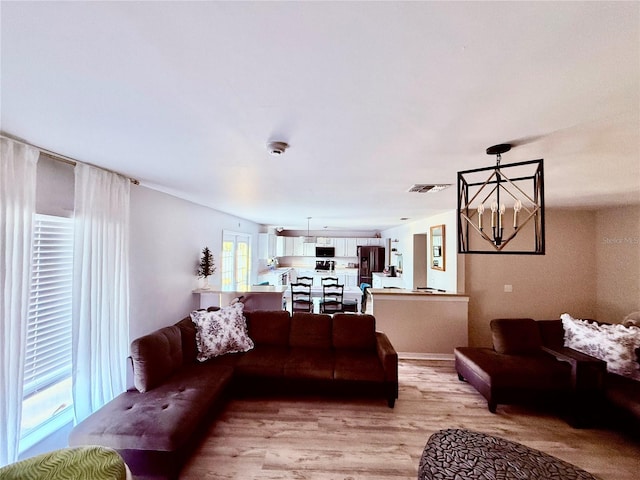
422, 322
256, 297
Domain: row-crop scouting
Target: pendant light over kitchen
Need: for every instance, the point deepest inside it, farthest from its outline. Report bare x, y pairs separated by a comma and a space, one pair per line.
308, 238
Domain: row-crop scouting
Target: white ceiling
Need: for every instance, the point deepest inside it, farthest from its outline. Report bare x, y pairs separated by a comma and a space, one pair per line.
372, 97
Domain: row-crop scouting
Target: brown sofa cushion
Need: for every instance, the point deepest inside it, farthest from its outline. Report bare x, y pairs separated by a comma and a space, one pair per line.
551, 332
188, 335
156, 357
309, 363
269, 328
358, 365
311, 330
514, 336
264, 361
533, 372
354, 331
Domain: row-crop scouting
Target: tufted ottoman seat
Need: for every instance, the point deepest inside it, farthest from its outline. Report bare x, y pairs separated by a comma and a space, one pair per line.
454, 454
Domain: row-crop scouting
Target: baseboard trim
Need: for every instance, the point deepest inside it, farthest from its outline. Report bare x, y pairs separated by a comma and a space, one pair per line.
425, 356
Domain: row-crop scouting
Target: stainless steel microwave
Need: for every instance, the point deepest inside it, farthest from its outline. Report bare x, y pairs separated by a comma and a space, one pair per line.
324, 252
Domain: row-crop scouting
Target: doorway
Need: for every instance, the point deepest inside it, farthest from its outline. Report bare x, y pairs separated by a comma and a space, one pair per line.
420, 260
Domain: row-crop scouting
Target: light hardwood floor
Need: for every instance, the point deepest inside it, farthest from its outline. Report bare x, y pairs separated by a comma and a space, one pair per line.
351, 439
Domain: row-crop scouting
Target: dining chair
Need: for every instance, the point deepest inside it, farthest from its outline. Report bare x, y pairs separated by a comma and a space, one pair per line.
326, 281
301, 300
332, 295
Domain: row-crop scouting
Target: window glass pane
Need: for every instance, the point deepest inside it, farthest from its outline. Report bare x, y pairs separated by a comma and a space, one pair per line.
242, 264
47, 379
236, 261
227, 264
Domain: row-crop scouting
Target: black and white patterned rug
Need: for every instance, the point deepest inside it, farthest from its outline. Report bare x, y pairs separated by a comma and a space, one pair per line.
456, 454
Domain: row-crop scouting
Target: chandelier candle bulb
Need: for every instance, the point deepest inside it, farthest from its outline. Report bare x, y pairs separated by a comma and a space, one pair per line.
480, 212
502, 210
516, 208
494, 208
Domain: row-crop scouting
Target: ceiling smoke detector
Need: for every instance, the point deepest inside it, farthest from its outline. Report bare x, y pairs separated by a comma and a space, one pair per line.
277, 148
424, 187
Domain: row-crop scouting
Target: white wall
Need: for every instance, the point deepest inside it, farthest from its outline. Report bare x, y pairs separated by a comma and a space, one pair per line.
167, 237
446, 280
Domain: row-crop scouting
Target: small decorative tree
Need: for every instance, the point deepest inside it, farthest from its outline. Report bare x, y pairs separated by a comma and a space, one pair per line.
207, 266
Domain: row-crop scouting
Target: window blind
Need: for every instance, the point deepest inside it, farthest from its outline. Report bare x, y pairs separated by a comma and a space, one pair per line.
48, 356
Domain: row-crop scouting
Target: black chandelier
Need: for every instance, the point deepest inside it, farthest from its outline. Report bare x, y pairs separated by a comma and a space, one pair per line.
514, 194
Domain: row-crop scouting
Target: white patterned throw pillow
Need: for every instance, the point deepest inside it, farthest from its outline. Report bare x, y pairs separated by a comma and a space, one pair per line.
220, 332
615, 344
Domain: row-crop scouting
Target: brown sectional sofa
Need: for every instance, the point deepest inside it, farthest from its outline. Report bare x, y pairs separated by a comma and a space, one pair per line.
529, 362
158, 421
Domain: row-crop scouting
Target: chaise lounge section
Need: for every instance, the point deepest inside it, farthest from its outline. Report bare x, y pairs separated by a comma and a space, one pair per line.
173, 398
516, 369
529, 361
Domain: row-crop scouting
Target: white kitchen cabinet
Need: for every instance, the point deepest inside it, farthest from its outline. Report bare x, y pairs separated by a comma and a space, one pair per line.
281, 246
371, 242
351, 247
266, 245
340, 244
351, 280
308, 249
289, 246
298, 247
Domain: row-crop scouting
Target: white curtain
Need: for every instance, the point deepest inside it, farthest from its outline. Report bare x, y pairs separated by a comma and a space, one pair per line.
18, 165
100, 288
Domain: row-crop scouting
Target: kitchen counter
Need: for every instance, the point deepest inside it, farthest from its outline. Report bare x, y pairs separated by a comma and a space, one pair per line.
335, 270
421, 323
404, 291
382, 280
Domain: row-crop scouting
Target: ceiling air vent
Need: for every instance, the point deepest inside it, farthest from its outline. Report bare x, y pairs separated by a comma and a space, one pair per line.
424, 187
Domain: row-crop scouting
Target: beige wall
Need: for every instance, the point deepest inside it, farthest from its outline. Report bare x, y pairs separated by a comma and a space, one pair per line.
618, 262
544, 286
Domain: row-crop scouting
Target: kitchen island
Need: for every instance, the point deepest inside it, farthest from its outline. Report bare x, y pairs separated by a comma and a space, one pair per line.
421, 323
255, 297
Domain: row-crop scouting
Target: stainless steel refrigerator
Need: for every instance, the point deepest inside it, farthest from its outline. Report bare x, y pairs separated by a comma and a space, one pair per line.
370, 260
